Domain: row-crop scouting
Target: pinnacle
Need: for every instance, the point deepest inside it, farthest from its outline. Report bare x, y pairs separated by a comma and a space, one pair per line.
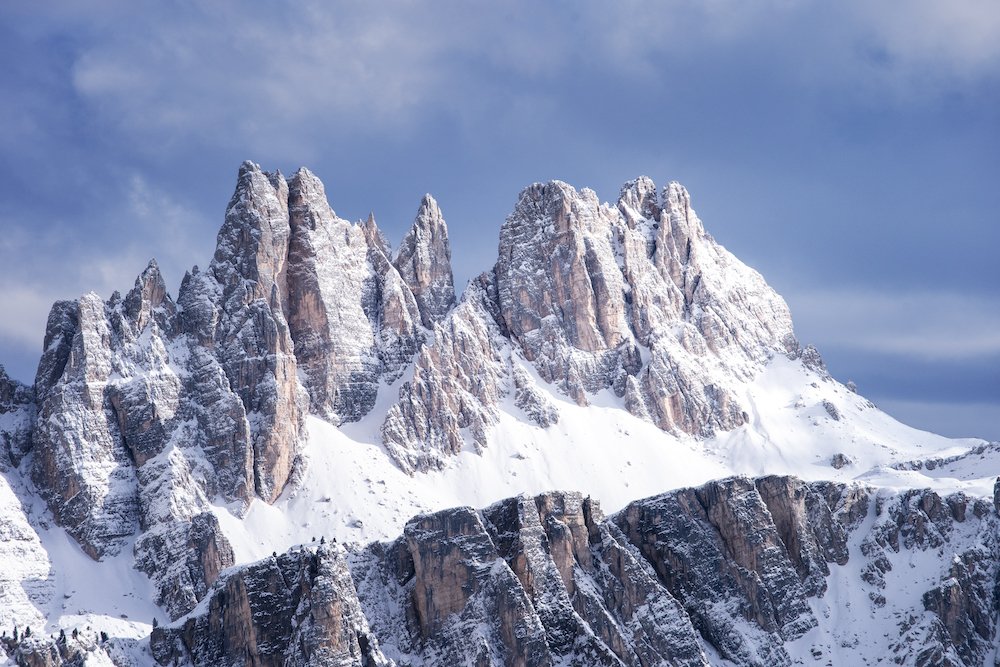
249, 166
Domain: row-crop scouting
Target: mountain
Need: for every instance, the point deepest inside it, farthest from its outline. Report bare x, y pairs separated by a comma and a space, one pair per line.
313, 383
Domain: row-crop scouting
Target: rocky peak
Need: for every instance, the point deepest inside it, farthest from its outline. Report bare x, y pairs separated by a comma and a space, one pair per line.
376, 239
678, 218
557, 275
305, 188
148, 298
253, 343
635, 298
424, 262
352, 317
639, 201
79, 466
11, 391
59, 330
253, 242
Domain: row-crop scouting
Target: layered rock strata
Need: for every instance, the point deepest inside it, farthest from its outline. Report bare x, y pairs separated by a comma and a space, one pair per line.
148, 409
737, 570
635, 298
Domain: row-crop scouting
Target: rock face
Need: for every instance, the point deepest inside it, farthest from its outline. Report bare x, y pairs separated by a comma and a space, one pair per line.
599, 602
457, 384
716, 548
17, 417
959, 535
636, 298
81, 464
148, 412
354, 319
250, 331
131, 435
732, 570
529, 581
296, 609
424, 263
148, 408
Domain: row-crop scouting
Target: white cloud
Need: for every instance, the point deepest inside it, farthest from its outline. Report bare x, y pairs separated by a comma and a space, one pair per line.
956, 38
25, 310
275, 78
927, 325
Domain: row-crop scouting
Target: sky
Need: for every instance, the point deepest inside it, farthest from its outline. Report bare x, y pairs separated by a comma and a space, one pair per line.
848, 151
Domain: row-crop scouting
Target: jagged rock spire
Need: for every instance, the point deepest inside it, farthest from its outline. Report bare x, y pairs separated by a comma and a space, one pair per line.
424, 262
353, 320
252, 338
147, 297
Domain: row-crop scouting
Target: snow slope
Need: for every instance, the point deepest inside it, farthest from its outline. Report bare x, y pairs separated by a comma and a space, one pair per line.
351, 490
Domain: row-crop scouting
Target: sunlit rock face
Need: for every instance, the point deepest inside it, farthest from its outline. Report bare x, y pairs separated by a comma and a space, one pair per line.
424, 263
355, 319
635, 298
740, 570
146, 410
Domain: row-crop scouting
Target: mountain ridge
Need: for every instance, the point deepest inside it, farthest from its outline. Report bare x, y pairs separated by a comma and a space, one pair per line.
312, 379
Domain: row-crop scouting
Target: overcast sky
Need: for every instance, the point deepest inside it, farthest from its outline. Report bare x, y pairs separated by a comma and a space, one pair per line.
849, 151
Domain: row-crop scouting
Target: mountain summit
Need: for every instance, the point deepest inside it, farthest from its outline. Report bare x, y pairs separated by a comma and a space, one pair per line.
312, 382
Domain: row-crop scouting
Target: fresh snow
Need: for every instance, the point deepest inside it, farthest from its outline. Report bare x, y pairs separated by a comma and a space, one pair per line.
349, 489
48, 583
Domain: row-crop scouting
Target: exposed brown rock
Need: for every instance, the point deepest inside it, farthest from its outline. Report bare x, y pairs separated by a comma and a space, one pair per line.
252, 339
296, 609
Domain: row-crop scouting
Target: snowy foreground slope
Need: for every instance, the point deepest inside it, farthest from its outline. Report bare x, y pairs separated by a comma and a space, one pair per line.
312, 385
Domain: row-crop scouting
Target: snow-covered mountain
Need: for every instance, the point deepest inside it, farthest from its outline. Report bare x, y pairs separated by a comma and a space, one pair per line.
313, 384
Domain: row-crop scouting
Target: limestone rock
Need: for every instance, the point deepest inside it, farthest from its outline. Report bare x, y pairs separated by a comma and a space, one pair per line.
17, 417
636, 298
457, 384
965, 604
297, 609
424, 262
149, 408
353, 319
600, 603
251, 336
561, 292
731, 570
532, 402
959, 627
131, 437
808, 526
80, 465
718, 551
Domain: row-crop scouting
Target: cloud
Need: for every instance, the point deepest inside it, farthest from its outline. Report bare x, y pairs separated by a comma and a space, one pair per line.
279, 78
958, 38
259, 76
29, 305
927, 325
100, 251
